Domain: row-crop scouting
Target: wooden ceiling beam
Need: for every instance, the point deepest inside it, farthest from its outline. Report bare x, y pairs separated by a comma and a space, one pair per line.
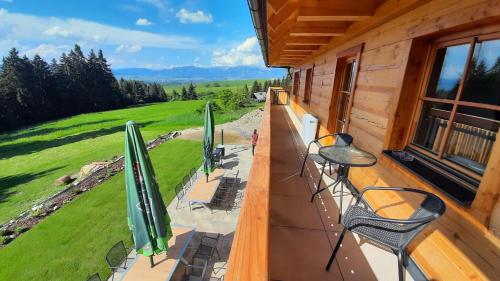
296, 52
322, 40
289, 11
317, 31
276, 5
307, 48
335, 14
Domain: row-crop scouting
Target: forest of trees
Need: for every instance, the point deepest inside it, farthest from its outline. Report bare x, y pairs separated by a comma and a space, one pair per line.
32, 91
185, 94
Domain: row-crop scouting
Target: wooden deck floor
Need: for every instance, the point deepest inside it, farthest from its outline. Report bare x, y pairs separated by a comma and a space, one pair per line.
302, 234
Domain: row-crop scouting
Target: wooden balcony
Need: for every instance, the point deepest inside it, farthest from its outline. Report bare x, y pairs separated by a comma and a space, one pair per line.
282, 236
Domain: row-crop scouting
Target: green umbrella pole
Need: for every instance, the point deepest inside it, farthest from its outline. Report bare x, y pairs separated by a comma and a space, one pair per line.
151, 261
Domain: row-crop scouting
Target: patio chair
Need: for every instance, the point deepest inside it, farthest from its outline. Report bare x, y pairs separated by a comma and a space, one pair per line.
197, 270
340, 139
179, 193
186, 181
217, 157
94, 277
117, 258
207, 247
193, 174
394, 234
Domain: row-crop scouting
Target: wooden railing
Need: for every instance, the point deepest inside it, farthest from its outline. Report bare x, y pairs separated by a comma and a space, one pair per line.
249, 258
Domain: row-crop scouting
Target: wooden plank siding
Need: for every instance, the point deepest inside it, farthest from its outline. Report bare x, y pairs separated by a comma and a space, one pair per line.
459, 246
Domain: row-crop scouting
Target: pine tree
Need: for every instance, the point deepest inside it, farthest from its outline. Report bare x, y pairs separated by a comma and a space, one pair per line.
191, 92
44, 90
175, 95
246, 92
184, 94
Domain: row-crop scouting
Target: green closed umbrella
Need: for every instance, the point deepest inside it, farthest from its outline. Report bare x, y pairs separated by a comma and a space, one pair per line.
147, 215
208, 140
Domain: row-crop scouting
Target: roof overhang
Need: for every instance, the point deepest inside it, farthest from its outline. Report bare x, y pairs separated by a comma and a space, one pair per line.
291, 31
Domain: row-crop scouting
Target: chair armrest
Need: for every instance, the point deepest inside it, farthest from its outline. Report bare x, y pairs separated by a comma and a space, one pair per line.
399, 189
393, 221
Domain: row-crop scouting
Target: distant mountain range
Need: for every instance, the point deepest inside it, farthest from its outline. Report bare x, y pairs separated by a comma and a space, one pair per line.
194, 73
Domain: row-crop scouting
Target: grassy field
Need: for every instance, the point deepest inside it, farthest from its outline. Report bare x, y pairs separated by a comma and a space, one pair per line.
32, 158
209, 88
72, 243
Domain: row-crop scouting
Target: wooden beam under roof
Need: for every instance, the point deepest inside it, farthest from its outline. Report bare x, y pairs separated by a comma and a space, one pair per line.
308, 41
296, 51
276, 5
334, 14
308, 48
289, 11
317, 31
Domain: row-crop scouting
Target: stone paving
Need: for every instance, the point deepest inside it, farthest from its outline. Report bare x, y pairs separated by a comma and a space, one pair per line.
220, 218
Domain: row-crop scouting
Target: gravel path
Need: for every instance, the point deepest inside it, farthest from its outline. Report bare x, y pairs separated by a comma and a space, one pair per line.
235, 132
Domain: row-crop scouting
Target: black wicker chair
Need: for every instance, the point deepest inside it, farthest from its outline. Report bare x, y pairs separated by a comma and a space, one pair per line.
208, 247
193, 175
117, 258
186, 181
179, 193
94, 277
340, 139
197, 270
394, 234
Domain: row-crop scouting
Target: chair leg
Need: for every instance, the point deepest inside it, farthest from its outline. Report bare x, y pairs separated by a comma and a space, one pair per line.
401, 265
318, 189
337, 247
304, 164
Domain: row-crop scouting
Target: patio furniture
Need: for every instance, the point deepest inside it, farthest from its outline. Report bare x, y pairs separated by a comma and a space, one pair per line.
217, 157
179, 193
202, 193
117, 258
193, 175
208, 247
94, 277
340, 139
395, 234
197, 270
345, 157
165, 266
186, 181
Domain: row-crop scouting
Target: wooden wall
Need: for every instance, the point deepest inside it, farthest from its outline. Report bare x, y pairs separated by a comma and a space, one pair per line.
382, 82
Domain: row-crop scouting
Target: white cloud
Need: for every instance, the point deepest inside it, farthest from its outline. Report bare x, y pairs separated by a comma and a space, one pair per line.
186, 16
143, 21
47, 51
246, 53
128, 49
57, 31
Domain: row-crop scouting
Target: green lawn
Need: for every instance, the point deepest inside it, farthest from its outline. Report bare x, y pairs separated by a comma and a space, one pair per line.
72, 243
32, 158
208, 88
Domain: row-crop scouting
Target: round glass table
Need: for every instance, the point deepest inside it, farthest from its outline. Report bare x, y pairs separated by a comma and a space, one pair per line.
346, 157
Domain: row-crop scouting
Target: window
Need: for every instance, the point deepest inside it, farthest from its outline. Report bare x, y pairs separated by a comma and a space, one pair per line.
344, 93
343, 89
308, 88
296, 83
459, 109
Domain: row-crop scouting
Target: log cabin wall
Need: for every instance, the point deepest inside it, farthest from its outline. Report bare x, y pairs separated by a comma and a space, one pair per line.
463, 242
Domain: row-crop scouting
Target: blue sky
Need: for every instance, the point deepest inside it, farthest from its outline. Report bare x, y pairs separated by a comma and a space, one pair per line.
134, 33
